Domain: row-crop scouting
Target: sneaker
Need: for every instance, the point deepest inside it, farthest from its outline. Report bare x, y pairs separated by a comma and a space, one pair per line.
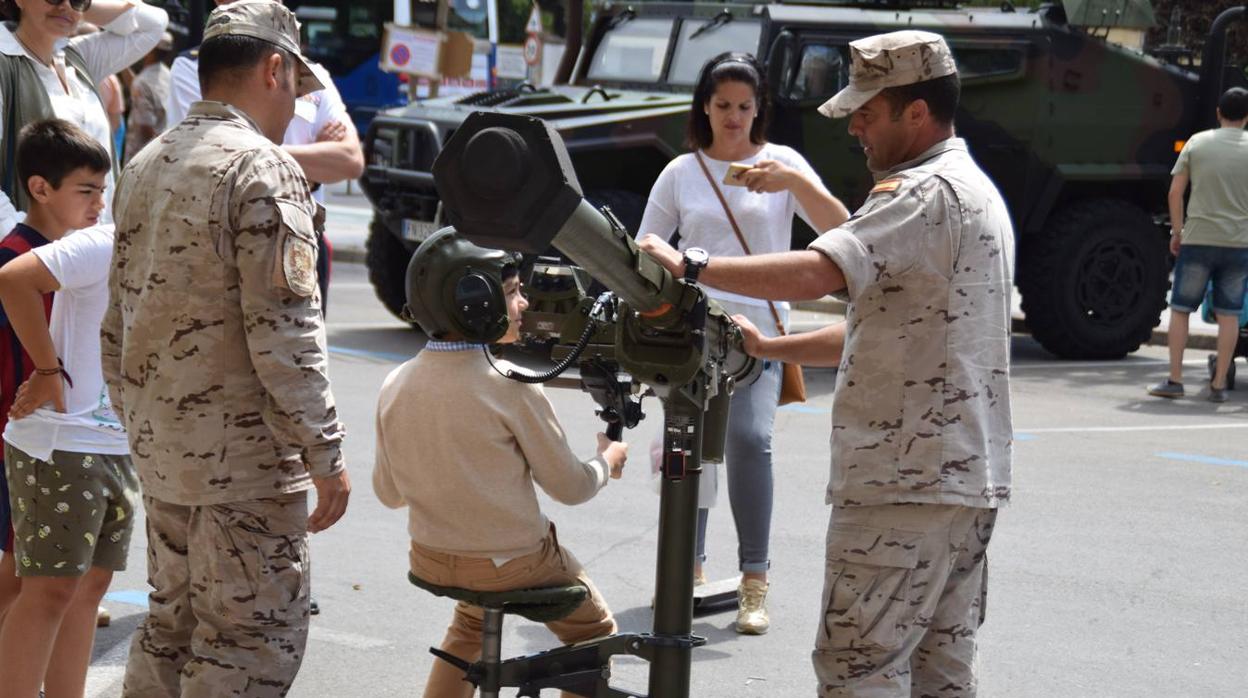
752, 608
1217, 394
699, 578
102, 617
314, 608
1167, 388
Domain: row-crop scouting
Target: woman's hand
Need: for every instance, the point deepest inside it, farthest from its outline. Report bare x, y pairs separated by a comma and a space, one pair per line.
37, 391
663, 253
768, 176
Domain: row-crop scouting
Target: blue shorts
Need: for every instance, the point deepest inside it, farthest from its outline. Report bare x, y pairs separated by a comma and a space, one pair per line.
1197, 265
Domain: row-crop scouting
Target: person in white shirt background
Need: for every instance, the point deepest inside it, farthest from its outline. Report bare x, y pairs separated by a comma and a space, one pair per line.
321, 137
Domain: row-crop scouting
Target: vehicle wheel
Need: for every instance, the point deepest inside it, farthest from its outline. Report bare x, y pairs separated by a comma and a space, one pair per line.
1230, 371
386, 258
1094, 281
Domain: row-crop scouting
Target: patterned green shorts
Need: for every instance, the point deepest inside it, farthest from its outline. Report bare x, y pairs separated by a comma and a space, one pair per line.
71, 512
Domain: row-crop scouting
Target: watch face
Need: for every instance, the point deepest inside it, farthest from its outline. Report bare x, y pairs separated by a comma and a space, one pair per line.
697, 255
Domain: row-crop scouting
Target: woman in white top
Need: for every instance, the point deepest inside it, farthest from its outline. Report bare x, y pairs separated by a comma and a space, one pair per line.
727, 125
40, 39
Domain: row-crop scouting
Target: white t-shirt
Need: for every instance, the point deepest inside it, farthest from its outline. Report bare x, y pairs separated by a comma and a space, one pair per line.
80, 264
683, 200
312, 111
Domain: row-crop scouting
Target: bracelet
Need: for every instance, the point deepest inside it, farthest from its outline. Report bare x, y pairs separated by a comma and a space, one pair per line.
58, 371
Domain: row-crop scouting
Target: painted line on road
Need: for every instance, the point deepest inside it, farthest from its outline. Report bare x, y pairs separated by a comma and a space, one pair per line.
133, 597
1160, 427
349, 211
105, 674
1056, 365
344, 639
1207, 460
389, 357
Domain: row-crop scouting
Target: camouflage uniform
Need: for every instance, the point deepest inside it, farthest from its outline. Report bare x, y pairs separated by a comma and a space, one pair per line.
921, 428
214, 351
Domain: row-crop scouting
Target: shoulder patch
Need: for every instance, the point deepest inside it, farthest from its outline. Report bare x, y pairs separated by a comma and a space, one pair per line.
887, 185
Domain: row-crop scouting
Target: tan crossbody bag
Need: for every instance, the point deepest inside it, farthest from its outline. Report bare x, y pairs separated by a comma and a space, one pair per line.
792, 384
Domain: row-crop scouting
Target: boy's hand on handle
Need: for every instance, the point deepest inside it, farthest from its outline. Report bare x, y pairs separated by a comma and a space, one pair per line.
37, 391
332, 494
614, 453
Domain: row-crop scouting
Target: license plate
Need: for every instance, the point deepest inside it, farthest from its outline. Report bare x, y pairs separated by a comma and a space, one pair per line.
417, 231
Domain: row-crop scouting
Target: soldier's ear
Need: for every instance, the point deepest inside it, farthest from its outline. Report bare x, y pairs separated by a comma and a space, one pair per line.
274, 71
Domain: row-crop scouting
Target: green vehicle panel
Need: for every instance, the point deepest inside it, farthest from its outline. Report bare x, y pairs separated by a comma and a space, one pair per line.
1078, 134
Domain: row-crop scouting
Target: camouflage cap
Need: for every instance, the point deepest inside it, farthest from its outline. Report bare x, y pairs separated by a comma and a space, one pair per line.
889, 60
268, 21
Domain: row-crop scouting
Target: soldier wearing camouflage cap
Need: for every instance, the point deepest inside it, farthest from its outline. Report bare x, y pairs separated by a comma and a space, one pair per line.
921, 426
214, 351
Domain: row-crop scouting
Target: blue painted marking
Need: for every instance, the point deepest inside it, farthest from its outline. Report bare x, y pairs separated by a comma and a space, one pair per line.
134, 598
795, 407
1019, 436
364, 353
1208, 460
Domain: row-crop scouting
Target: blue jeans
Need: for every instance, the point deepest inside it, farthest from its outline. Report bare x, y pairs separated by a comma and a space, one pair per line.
1227, 267
747, 457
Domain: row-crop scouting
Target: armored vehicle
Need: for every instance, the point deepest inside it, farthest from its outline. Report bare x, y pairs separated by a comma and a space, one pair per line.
1078, 133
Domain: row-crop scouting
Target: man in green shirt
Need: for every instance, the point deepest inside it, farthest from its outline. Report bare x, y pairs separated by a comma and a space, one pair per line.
1211, 244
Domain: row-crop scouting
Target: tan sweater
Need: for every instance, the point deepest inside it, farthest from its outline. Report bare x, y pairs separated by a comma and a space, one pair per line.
461, 447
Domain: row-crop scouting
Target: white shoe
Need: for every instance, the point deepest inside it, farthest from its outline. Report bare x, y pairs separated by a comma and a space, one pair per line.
752, 608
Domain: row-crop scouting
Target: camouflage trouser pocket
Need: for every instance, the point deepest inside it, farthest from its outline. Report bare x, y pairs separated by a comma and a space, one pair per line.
869, 596
260, 562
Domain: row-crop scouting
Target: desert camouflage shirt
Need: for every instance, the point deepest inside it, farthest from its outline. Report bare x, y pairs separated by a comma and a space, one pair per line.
213, 344
922, 405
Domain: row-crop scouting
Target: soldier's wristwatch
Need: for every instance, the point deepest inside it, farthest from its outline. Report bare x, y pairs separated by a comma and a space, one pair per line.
696, 259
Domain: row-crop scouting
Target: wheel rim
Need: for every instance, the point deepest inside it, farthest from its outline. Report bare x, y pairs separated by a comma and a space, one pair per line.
1111, 282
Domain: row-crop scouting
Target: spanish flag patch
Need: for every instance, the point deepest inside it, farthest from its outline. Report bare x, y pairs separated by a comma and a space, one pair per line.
886, 185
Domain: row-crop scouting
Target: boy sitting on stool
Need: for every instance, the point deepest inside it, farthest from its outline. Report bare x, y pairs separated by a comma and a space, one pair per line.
461, 446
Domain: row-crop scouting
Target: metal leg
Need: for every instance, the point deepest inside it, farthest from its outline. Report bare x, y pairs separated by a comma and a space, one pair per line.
491, 650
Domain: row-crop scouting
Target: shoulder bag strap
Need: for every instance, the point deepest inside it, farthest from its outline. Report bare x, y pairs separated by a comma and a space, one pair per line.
775, 315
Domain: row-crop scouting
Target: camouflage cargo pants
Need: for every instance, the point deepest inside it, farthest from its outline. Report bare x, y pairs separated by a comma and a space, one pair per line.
229, 608
903, 599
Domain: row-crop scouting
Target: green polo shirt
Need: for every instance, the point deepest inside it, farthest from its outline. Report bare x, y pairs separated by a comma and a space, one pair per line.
1217, 210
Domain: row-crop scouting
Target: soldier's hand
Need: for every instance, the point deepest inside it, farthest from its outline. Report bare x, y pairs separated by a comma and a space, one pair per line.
332, 494
615, 453
332, 131
663, 253
750, 335
37, 391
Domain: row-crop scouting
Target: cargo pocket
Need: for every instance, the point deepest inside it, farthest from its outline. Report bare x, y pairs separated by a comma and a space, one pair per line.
868, 596
294, 267
260, 559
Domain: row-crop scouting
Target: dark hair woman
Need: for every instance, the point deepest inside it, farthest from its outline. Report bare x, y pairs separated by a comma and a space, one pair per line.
764, 185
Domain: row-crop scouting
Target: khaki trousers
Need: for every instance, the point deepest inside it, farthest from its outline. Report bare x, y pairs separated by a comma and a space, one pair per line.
228, 614
550, 566
903, 598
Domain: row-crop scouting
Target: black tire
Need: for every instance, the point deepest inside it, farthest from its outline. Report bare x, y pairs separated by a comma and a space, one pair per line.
1094, 281
386, 257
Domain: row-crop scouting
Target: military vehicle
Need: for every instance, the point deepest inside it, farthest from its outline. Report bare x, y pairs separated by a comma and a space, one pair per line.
1078, 133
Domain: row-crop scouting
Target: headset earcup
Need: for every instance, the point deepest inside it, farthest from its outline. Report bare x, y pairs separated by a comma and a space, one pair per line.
480, 307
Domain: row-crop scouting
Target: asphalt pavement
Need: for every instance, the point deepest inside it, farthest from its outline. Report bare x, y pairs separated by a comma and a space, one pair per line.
1117, 570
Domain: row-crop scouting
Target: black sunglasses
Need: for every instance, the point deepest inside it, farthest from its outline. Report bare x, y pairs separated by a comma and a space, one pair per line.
77, 5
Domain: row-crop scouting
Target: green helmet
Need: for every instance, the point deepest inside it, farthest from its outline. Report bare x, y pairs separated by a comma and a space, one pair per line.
456, 287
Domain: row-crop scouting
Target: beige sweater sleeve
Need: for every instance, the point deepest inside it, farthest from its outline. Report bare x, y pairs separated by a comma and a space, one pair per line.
555, 468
